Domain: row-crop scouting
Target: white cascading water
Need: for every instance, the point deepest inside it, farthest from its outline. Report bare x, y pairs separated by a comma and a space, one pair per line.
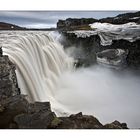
40, 61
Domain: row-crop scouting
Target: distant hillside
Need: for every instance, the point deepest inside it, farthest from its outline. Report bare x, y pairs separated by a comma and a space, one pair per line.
8, 26
83, 23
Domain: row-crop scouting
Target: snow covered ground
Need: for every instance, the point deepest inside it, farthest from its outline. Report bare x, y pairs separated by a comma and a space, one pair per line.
109, 32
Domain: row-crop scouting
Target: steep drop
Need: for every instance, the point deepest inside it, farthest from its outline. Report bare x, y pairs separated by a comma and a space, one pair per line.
40, 61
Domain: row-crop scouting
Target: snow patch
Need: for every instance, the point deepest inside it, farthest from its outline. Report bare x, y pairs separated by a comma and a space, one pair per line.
109, 32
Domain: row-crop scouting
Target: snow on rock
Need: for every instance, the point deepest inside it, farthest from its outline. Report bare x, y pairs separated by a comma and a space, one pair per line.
135, 18
114, 57
83, 33
108, 32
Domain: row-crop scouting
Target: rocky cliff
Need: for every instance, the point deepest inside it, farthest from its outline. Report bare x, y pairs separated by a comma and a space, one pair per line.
82, 23
91, 41
91, 45
17, 112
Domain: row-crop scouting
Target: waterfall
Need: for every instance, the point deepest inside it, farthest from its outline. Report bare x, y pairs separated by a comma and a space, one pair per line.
40, 60
45, 73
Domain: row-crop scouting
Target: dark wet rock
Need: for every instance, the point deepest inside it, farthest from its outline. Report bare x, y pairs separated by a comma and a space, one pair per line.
38, 115
0, 51
116, 125
11, 107
79, 121
39, 107
11, 103
91, 45
38, 120
8, 80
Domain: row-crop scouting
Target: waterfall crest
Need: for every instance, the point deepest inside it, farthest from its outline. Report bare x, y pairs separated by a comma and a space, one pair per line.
40, 60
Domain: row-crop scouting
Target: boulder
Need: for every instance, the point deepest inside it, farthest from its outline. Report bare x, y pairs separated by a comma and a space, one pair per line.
38, 115
74, 23
10, 107
79, 121
116, 125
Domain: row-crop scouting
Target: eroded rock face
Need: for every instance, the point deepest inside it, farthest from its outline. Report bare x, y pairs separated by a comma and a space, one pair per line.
8, 81
113, 57
79, 121
116, 125
71, 24
12, 106
38, 115
91, 45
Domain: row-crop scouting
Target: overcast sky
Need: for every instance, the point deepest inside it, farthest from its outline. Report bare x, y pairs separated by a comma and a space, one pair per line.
45, 19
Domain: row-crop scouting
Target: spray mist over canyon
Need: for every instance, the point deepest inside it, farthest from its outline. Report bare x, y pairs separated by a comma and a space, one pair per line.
45, 73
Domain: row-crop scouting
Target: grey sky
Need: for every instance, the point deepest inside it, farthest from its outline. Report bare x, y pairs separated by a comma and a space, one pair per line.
45, 19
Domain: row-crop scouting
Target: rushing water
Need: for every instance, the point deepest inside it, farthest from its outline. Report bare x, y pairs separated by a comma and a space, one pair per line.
40, 61
46, 73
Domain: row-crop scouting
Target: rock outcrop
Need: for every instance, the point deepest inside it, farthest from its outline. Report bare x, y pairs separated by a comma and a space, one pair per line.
16, 112
91, 45
74, 23
115, 125
8, 81
94, 41
123, 18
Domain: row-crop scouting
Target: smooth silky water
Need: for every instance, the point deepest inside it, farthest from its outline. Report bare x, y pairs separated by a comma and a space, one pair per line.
46, 73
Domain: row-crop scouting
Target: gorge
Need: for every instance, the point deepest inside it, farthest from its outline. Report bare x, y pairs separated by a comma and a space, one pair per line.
61, 68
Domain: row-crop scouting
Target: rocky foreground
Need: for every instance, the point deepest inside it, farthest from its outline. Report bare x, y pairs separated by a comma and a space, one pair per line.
16, 112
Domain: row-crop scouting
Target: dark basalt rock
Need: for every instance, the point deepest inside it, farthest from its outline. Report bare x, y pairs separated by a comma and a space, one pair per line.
91, 45
79, 121
0, 51
12, 106
116, 125
8, 80
39, 116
